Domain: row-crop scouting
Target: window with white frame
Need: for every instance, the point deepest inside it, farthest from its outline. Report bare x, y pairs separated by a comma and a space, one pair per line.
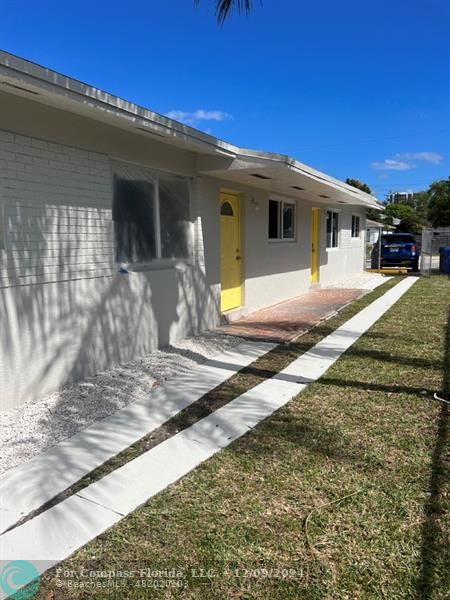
332, 229
281, 220
151, 214
356, 226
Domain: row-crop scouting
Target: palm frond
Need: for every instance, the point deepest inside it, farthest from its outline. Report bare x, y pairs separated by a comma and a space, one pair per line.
224, 8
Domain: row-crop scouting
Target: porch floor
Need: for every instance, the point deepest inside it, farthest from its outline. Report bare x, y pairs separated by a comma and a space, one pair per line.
285, 321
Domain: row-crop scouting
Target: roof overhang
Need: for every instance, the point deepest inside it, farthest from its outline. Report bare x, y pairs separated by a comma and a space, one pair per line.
282, 175
217, 158
32, 81
376, 225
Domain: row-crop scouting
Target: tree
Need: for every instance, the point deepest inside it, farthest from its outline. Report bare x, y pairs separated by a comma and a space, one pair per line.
409, 220
417, 201
421, 201
225, 7
372, 214
439, 203
409, 224
356, 183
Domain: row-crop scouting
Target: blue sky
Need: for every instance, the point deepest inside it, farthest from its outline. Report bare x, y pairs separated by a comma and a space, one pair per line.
345, 86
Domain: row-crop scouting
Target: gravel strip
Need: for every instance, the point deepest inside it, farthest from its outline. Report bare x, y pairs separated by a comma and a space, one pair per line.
33, 428
360, 281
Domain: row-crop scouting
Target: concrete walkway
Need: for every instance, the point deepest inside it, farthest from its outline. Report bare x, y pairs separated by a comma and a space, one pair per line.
287, 320
56, 533
28, 486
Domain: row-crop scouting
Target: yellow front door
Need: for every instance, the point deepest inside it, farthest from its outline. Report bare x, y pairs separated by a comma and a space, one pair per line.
315, 240
230, 252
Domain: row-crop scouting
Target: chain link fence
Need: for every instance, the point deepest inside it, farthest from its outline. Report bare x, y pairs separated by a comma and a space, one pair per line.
372, 257
432, 241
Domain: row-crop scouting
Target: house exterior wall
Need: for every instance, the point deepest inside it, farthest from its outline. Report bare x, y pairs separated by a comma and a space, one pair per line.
348, 259
66, 312
272, 271
275, 270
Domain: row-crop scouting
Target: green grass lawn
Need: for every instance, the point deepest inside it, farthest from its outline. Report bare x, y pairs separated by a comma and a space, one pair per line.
342, 494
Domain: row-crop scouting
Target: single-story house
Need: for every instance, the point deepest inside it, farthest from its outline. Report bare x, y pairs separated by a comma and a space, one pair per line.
122, 230
373, 229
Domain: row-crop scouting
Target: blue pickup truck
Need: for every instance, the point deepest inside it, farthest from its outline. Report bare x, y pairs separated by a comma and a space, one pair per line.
397, 250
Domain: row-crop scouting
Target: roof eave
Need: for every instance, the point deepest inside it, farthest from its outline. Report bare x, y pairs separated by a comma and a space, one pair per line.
75, 95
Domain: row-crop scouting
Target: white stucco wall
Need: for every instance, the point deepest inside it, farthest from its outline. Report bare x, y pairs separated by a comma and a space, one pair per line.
65, 310
274, 271
55, 333
348, 258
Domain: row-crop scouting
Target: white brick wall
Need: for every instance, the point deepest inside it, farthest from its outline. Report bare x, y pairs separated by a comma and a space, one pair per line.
56, 207
80, 315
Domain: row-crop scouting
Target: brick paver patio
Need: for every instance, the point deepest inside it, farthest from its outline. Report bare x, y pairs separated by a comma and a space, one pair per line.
285, 321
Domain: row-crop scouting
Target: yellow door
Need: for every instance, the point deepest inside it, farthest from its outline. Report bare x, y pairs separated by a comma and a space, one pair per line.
230, 252
315, 239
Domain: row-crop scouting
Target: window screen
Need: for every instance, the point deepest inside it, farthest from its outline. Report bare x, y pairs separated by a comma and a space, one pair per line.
134, 220
332, 229
355, 226
288, 220
274, 220
281, 220
174, 213
151, 214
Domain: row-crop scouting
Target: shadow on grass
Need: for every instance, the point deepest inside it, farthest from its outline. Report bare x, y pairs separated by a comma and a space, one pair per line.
435, 559
315, 435
378, 387
400, 360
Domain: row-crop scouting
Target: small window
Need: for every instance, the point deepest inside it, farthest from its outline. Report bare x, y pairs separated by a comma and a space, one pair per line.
355, 226
134, 220
227, 210
281, 220
174, 215
332, 229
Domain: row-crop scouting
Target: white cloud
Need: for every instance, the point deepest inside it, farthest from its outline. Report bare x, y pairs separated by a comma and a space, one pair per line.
402, 161
392, 165
430, 157
191, 118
